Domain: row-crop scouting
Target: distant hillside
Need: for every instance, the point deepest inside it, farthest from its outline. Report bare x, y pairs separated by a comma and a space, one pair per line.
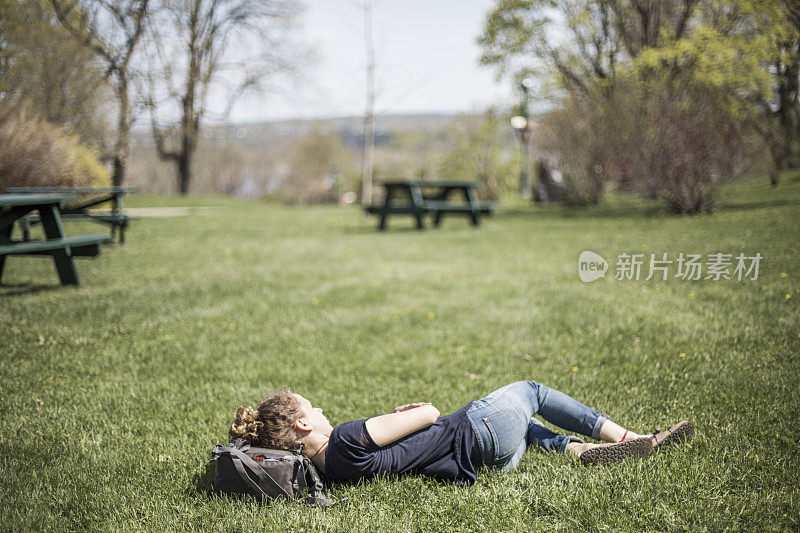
350, 129
314, 160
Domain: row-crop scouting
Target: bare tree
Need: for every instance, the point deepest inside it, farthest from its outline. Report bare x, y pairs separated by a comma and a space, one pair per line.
210, 51
376, 99
112, 29
369, 111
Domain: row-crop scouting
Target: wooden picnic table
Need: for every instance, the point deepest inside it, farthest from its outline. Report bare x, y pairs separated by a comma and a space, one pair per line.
56, 244
83, 198
422, 197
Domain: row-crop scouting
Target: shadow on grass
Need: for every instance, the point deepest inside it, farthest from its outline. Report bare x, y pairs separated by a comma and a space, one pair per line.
202, 483
371, 229
15, 289
604, 211
583, 212
758, 205
627, 211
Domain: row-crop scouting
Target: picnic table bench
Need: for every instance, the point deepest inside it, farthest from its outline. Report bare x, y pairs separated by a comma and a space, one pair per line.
83, 198
430, 197
59, 246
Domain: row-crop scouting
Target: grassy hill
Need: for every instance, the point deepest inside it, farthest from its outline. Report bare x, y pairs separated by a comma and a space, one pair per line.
111, 395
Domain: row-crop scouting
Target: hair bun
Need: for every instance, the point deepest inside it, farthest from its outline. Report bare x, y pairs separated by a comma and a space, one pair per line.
246, 424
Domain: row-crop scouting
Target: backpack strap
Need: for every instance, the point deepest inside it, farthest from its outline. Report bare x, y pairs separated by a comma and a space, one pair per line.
312, 481
264, 479
315, 494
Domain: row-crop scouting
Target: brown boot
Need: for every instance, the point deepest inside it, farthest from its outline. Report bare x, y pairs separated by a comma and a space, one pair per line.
606, 454
680, 432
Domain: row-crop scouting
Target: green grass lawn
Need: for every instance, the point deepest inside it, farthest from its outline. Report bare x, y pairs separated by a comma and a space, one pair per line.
198, 314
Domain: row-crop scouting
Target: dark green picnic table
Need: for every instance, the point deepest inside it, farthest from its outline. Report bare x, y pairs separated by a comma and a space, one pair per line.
56, 243
83, 199
419, 198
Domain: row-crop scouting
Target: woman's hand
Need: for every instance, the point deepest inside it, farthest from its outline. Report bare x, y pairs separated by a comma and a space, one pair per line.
408, 406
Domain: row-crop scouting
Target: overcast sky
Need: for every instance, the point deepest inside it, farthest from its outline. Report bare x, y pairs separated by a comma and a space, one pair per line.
427, 61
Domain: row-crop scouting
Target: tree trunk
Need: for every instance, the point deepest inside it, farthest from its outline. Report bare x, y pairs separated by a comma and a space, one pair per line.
774, 176
189, 126
183, 159
122, 144
184, 166
186, 155
777, 153
367, 161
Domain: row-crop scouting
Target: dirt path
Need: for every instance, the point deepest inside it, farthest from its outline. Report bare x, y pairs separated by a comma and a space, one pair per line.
169, 211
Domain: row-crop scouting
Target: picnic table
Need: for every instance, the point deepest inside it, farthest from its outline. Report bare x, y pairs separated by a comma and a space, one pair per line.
56, 244
83, 198
422, 197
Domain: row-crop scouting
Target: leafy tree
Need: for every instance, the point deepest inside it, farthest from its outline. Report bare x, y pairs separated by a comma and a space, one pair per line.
738, 59
42, 65
779, 21
412, 153
482, 151
750, 58
576, 43
313, 161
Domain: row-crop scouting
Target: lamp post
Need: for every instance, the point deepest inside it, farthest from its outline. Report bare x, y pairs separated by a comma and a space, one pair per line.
522, 127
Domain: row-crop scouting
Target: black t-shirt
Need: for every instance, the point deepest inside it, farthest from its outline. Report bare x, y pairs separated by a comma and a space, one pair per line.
441, 450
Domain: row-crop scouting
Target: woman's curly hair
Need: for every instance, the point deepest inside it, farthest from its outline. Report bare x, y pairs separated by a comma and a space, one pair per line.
272, 424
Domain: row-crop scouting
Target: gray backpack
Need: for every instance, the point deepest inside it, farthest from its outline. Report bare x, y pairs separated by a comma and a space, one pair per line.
267, 474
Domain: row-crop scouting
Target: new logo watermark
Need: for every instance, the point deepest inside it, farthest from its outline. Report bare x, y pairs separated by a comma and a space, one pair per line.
592, 266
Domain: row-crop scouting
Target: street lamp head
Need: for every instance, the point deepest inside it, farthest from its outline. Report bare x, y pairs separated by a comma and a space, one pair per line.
519, 122
526, 84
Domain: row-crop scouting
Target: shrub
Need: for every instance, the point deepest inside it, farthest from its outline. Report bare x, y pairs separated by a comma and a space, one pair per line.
663, 138
313, 162
88, 167
483, 151
674, 142
572, 139
34, 153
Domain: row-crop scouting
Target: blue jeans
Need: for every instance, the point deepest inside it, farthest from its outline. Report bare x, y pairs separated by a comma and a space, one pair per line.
504, 426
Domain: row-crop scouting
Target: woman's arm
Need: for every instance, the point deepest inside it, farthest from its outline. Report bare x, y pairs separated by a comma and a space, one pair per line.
406, 419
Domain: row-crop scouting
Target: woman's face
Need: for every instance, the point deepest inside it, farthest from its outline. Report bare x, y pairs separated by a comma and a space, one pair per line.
314, 415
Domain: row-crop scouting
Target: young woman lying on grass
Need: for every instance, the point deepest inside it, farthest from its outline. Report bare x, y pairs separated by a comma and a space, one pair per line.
492, 432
